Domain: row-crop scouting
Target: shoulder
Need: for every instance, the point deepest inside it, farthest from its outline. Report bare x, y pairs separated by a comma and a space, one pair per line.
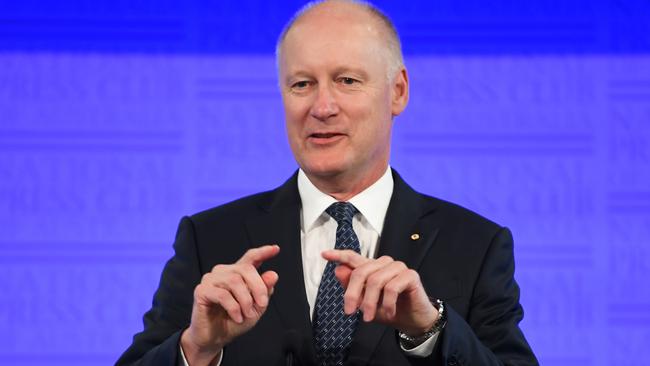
220, 234
233, 215
232, 212
444, 213
455, 213
458, 225
454, 222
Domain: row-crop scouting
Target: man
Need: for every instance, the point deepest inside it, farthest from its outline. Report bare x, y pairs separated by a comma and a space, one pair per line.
344, 262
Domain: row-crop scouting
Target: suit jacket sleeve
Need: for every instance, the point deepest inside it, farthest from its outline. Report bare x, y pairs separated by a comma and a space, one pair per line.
158, 343
490, 334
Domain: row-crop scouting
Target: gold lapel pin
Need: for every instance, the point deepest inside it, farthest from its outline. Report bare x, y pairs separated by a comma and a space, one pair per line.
415, 236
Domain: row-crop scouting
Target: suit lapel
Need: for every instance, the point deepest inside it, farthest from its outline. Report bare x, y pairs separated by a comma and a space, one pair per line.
279, 223
407, 236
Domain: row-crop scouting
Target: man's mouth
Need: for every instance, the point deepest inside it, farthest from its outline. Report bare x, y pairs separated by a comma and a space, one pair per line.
325, 138
324, 135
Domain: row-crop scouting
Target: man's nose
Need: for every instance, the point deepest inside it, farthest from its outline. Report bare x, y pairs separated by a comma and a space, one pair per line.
325, 105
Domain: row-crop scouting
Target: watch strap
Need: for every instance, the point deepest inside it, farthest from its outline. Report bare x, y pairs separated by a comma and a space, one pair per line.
412, 342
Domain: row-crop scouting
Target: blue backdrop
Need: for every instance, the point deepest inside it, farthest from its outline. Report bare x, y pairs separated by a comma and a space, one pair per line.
118, 117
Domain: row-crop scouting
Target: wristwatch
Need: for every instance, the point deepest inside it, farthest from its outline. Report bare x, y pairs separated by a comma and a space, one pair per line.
412, 342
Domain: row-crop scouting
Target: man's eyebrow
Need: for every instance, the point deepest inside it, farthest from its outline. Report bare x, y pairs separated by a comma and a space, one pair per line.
358, 71
296, 75
354, 70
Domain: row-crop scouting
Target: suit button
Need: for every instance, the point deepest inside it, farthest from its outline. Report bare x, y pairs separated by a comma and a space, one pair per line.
452, 361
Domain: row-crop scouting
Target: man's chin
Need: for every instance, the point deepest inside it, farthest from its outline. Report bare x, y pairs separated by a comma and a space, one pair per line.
323, 170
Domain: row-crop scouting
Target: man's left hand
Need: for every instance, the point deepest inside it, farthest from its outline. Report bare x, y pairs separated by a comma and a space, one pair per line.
385, 290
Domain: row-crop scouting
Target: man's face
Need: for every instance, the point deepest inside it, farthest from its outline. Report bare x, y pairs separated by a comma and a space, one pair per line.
338, 99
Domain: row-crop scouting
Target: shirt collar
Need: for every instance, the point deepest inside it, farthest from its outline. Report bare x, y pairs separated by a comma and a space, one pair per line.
372, 202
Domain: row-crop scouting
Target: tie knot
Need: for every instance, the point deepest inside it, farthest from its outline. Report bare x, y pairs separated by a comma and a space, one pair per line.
342, 212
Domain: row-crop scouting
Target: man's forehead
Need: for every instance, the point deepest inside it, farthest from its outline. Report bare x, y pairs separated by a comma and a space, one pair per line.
334, 8
333, 16
339, 50
342, 29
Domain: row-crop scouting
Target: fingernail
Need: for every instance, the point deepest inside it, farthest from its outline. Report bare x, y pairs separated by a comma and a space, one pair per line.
264, 300
366, 317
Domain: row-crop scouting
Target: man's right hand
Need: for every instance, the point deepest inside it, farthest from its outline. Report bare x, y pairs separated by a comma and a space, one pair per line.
228, 302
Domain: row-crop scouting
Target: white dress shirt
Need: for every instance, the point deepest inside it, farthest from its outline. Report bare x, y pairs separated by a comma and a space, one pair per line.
318, 233
318, 229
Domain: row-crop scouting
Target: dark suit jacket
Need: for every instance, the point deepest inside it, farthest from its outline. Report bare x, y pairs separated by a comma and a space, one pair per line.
461, 258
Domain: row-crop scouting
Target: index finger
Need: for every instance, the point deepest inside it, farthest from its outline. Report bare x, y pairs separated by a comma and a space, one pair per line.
348, 257
259, 255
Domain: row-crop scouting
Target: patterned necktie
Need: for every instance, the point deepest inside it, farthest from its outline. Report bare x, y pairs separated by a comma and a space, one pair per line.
333, 329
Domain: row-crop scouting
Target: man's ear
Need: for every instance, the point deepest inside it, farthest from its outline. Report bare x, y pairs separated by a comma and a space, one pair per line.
400, 92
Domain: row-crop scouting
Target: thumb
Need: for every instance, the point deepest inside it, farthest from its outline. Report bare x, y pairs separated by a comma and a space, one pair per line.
343, 273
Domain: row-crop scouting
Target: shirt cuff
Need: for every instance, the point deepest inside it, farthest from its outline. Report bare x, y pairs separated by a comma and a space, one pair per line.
423, 350
182, 361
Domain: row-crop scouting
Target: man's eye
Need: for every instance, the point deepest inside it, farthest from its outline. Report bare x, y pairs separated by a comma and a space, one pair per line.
348, 81
300, 84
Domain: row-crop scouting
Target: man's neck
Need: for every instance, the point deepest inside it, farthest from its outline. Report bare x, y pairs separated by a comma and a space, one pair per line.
345, 186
